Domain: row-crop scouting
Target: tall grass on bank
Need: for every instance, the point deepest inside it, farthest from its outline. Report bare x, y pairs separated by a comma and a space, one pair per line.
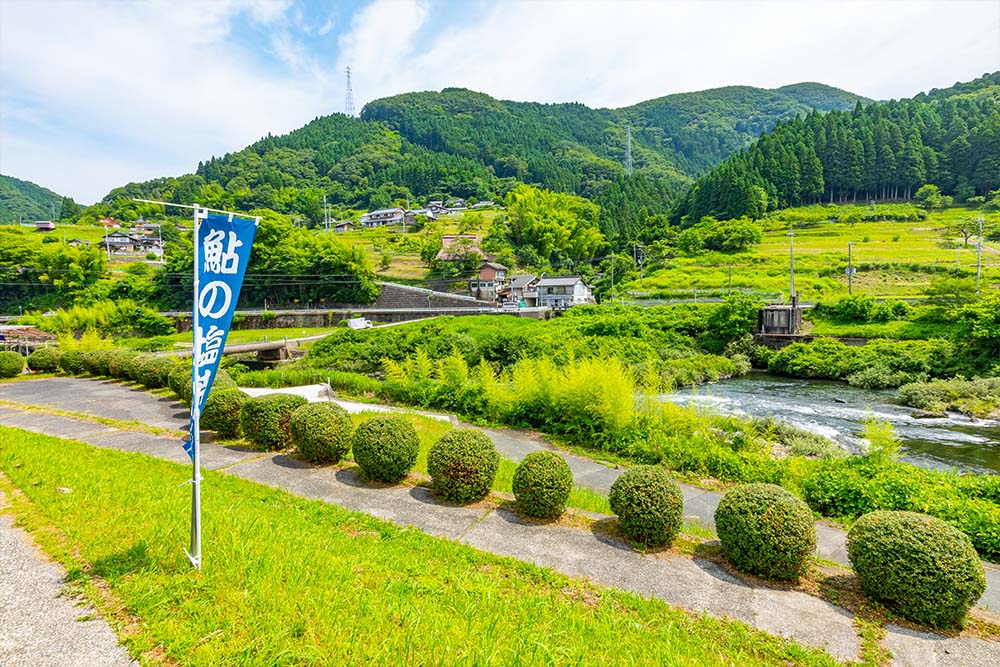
288, 581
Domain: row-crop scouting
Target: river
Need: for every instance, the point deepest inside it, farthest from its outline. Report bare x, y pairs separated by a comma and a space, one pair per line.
837, 410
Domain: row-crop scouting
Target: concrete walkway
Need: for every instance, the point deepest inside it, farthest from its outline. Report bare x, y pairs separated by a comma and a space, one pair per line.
693, 584
39, 626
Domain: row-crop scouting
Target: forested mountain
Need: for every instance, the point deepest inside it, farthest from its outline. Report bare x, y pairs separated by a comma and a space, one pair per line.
23, 200
462, 143
949, 138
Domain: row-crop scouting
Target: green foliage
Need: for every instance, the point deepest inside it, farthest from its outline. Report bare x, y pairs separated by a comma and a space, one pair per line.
882, 151
649, 505
154, 372
321, 432
11, 364
882, 444
71, 362
766, 531
916, 565
121, 317
222, 412
463, 464
541, 484
317, 269
264, 420
118, 361
385, 448
44, 360
550, 221
179, 379
979, 397
879, 364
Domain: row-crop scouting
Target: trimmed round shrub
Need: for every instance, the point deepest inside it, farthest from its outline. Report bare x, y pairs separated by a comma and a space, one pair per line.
542, 482
924, 569
11, 364
179, 380
265, 419
131, 366
153, 372
385, 448
766, 531
71, 362
44, 360
649, 505
117, 361
463, 464
93, 361
222, 412
321, 432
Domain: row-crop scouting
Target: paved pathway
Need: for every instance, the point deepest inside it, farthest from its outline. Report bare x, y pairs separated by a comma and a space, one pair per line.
693, 584
39, 626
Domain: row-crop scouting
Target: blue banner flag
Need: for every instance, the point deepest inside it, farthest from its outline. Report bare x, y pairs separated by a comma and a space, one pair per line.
222, 255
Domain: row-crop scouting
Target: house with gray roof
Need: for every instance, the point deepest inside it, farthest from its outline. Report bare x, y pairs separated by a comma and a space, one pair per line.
562, 292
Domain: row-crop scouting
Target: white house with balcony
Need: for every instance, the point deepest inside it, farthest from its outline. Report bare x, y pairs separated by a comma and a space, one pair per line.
562, 292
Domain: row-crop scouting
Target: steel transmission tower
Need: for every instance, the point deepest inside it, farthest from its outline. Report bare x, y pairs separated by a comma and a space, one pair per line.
349, 98
628, 151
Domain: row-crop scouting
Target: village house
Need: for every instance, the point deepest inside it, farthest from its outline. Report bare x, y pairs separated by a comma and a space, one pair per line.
482, 204
492, 280
521, 290
119, 242
382, 217
109, 223
77, 242
562, 292
343, 226
44, 226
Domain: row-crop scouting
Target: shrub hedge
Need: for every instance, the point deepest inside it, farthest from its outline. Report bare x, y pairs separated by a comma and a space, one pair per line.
463, 464
766, 531
11, 364
385, 448
179, 381
265, 419
542, 482
131, 366
649, 505
153, 372
920, 567
116, 362
94, 362
222, 412
321, 432
44, 360
71, 362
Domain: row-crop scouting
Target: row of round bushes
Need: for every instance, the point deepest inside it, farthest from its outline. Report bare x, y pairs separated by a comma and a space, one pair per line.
462, 464
921, 567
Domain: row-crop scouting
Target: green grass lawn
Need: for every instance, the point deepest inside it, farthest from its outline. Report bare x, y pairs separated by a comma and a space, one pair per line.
882, 252
289, 581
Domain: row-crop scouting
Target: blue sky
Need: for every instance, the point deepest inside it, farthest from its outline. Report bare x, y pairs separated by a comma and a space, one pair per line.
97, 94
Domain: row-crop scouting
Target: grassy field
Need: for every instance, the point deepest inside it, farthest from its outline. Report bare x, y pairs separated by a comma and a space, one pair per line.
885, 255
292, 582
239, 336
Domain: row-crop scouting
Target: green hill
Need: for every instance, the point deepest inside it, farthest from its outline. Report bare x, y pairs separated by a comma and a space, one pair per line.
24, 200
948, 138
462, 143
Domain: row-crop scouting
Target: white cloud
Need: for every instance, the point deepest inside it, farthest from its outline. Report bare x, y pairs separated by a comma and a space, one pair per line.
95, 95
618, 53
159, 80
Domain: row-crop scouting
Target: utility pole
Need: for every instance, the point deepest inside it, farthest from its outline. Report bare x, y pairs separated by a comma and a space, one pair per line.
791, 256
730, 279
979, 256
850, 268
612, 277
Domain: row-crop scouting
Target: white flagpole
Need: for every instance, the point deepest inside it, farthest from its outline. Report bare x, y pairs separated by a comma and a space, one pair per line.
195, 554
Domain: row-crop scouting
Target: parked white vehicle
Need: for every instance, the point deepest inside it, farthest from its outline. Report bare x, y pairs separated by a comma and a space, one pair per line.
359, 323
